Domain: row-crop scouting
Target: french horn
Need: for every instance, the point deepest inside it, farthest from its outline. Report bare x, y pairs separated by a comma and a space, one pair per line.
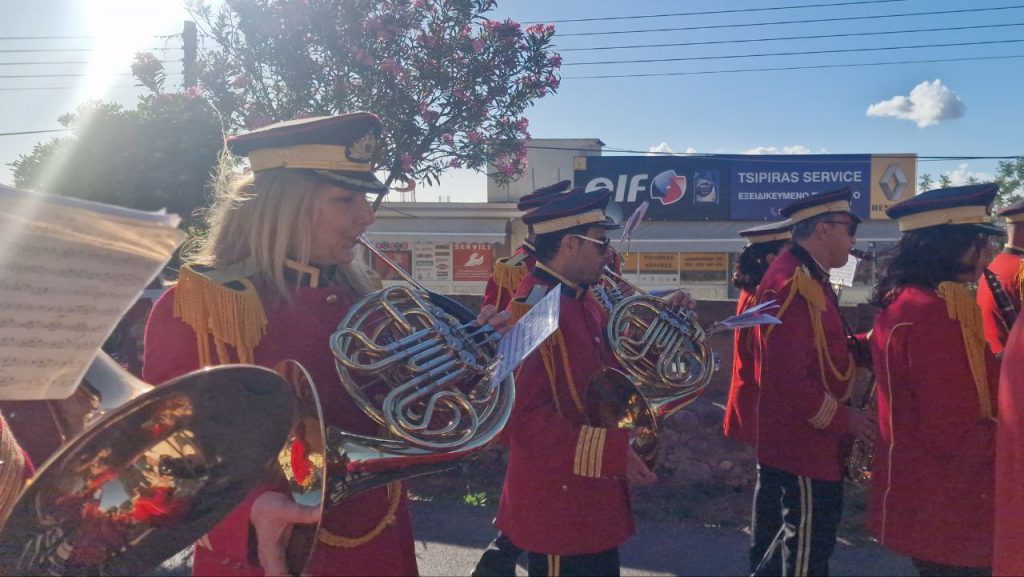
147, 478
416, 364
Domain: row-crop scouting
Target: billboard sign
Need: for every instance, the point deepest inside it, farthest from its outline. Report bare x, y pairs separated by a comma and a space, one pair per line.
744, 187
473, 261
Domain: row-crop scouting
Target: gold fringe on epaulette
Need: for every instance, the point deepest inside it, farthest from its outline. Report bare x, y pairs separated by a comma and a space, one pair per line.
517, 310
963, 308
12, 470
230, 317
507, 278
802, 284
1020, 284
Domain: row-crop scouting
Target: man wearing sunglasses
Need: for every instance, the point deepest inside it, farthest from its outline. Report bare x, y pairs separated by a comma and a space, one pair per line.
566, 499
805, 373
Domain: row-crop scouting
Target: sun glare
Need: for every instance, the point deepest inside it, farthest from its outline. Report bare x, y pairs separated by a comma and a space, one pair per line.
122, 28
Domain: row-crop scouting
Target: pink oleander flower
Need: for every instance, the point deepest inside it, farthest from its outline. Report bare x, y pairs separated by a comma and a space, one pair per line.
406, 162
455, 163
240, 81
474, 136
523, 124
447, 138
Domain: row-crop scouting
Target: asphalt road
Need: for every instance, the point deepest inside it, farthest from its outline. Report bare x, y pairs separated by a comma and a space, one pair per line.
450, 538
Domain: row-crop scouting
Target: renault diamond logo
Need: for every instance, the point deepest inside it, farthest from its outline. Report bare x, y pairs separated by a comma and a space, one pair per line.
893, 182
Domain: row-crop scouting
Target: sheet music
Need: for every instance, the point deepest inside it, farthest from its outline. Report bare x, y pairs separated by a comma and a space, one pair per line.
843, 276
527, 335
69, 270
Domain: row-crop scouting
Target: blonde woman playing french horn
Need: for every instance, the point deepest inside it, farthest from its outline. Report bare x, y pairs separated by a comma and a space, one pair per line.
271, 281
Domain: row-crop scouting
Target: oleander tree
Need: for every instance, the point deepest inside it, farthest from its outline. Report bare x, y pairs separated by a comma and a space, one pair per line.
451, 84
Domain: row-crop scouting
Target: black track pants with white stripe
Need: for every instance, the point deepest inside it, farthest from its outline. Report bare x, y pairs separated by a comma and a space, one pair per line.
811, 511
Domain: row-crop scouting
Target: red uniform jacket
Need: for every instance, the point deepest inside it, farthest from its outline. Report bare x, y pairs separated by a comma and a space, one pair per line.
300, 332
802, 419
741, 409
565, 491
932, 480
1008, 267
1009, 504
499, 291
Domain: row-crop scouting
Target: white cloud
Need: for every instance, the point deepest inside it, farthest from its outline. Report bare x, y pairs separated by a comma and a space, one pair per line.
794, 149
664, 148
928, 104
960, 176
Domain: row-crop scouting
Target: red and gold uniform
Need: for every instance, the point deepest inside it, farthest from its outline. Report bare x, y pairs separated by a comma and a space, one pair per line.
368, 534
507, 274
741, 408
806, 371
1008, 555
565, 490
1008, 266
932, 474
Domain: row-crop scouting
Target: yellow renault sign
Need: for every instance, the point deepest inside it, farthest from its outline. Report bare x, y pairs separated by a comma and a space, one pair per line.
893, 180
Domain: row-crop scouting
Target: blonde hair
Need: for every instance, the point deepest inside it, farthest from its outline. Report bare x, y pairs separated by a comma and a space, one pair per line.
265, 221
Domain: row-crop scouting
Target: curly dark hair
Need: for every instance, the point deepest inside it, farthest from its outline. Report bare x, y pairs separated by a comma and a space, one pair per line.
752, 263
927, 256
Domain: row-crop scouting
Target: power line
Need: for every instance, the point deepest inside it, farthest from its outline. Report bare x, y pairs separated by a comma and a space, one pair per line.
32, 50
776, 38
753, 157
33, 132
67, 62
709, 12
782, 68
71, 75
797, 53
34, 88
810, 21
160, 36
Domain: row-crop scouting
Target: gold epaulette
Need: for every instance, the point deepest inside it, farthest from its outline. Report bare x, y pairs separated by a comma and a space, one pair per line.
222, 305
12, 472
507, 275
802, 284
963, 308
1020, 282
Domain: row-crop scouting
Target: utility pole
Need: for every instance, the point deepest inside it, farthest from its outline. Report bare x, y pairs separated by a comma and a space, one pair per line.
190, 41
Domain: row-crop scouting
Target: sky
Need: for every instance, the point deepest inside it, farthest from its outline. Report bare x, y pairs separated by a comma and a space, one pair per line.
931, 107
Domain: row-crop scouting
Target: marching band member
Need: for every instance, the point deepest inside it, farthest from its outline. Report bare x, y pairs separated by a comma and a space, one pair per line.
932, 479
1008, 555
271, 281
508, 272
765, 242
1008, 266
565, 498
806, 372
15, 469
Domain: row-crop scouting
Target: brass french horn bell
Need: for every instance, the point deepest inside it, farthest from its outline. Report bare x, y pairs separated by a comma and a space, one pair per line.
416, 364
150, 477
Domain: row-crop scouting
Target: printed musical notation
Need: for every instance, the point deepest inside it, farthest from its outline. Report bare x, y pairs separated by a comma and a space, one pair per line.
527, 334
69, 270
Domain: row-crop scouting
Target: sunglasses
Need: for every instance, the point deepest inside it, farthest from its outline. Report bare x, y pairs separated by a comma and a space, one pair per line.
604, 243
850, 225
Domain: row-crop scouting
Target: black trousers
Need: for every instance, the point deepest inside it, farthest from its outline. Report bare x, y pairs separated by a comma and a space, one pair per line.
810, 515
605, 563
499, 559
929, 569
765, 525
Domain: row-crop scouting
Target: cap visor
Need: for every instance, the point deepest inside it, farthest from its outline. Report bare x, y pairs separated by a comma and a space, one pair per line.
608, 224
991, 229
354, 181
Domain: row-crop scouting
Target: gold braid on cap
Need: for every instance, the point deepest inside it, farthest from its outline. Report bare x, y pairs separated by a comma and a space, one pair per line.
963, 308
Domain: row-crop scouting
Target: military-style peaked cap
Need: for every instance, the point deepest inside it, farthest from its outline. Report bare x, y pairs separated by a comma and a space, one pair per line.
572, 210
340, 149
779, 230
959, 205
822, 203
543, 195
1014, 212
